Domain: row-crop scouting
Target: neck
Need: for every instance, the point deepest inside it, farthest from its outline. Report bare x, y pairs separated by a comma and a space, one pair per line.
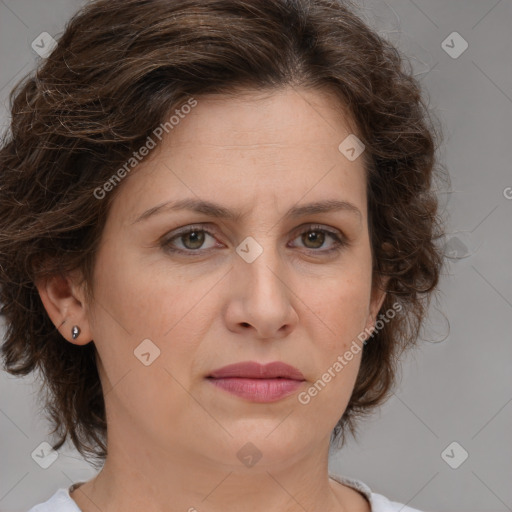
137, 478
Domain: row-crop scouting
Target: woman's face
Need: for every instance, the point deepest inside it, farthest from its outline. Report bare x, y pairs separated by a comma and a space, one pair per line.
269, 285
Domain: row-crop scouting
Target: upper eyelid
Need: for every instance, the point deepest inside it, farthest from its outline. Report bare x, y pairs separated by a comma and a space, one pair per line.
334, 232
206, 228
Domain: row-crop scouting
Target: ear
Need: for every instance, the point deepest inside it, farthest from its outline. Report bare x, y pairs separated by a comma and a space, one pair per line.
65, 304
378, 295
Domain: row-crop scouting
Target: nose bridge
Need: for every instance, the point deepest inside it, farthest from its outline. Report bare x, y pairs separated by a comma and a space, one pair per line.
266, 297
262, 264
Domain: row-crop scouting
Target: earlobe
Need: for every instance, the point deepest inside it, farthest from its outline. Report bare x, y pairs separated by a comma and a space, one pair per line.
379, 293
377, 304
65, 308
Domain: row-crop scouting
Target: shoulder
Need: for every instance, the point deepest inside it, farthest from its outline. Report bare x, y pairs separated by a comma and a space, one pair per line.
60, 501
378, 502
382, 504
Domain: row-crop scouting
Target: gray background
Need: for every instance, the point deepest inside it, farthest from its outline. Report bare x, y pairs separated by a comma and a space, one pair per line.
456, 386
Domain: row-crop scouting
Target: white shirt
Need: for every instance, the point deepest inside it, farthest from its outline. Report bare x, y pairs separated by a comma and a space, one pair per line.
61, 501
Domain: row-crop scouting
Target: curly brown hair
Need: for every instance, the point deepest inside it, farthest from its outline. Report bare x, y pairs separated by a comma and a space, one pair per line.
118, 70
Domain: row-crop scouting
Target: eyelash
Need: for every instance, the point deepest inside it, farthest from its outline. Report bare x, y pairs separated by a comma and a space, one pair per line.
339, 240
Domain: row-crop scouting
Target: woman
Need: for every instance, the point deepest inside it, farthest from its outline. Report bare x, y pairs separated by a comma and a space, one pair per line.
218, 234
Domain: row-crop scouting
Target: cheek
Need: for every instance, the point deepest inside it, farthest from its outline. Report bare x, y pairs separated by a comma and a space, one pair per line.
341, 306
136, 301
337, 347
131, 305
141, 300
351, 307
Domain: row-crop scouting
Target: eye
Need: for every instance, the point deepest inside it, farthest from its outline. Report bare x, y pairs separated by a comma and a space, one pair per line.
315, 236
191, 239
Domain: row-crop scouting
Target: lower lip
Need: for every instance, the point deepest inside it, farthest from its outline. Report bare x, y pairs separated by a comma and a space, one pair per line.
258, 390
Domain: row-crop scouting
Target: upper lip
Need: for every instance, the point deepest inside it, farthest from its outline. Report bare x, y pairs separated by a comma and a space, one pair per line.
254, 370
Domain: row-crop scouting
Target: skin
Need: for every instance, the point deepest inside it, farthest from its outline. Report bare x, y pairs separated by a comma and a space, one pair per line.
173, 436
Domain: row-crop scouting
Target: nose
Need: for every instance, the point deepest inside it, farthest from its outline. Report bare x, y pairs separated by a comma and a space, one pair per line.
261, 298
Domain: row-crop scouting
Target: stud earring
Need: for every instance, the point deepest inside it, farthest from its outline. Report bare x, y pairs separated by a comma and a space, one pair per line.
75, 332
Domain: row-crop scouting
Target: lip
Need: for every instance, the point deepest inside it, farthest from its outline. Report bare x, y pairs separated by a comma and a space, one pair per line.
258, 383
254, 370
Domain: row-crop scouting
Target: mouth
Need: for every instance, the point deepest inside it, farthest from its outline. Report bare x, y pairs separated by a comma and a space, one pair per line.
258, 383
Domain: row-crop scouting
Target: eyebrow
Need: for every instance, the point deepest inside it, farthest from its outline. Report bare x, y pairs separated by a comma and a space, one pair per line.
216, 210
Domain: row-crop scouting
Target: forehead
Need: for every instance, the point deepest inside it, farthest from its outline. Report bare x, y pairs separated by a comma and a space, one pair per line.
272, 148
289, 116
